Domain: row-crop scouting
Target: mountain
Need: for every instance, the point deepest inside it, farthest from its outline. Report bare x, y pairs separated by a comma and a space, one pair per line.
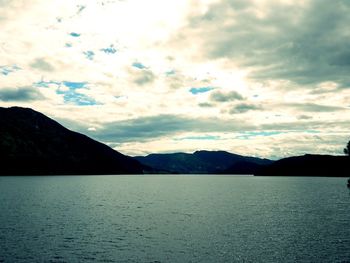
202, 162
244, 167
309, 165
31, 143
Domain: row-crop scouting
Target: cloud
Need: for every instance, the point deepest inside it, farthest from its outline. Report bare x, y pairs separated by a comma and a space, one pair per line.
205, 105
80, 8
244, 107
288, 62
13, 8
203, 137
169, 133
219, 96
305, 125
305, 42
20, 94
143, 77
41, 64
304, 117
150, 128
312, 107
6, 70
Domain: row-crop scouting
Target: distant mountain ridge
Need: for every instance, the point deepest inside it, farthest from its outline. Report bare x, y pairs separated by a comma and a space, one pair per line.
203, 162
309, 165
31, 143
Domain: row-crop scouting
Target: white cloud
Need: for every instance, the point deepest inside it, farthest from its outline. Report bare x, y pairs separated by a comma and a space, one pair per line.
183, 44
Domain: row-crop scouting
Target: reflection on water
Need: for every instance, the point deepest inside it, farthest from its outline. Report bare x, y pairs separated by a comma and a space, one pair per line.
174, 219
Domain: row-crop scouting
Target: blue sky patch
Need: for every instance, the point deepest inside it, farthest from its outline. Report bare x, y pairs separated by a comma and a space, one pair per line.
75, 85
89, 54
109, 50
77, 98
69, 84
71, 95
73, 34
74, 97
6, 70
170, 72
138, 65
45, 84
198, 90
248, 135
203, 137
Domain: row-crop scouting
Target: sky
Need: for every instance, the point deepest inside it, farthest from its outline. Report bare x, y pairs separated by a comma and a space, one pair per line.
267, 78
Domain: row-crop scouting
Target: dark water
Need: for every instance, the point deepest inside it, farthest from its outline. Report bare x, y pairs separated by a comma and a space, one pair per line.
174, 219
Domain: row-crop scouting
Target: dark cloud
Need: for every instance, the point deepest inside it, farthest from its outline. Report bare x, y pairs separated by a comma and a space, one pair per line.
177, 80
305, 125
219, 96
324, 90
244, 107
304, 117
147, 128
151, 128
43, 65
4, 2
20, 94
312, 107
205, 105
144, 76
306, 44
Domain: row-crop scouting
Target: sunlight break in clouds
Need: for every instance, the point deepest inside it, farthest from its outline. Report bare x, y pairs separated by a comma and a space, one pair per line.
265, 78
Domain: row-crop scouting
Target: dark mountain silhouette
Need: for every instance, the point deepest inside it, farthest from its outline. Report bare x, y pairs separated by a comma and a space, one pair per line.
31, 143
309, 165
244, 167
203, 162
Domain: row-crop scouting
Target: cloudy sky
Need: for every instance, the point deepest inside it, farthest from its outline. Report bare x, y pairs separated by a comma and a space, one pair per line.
267, 78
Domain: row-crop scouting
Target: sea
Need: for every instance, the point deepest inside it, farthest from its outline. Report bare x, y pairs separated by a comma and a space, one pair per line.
174, 218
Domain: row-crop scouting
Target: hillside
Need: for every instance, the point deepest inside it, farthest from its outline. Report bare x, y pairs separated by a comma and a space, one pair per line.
309, 165
31, 143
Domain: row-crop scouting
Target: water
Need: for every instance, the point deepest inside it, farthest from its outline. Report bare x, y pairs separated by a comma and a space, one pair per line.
174, 219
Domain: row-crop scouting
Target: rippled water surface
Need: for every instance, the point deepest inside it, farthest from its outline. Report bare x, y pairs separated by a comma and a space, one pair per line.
174, 219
